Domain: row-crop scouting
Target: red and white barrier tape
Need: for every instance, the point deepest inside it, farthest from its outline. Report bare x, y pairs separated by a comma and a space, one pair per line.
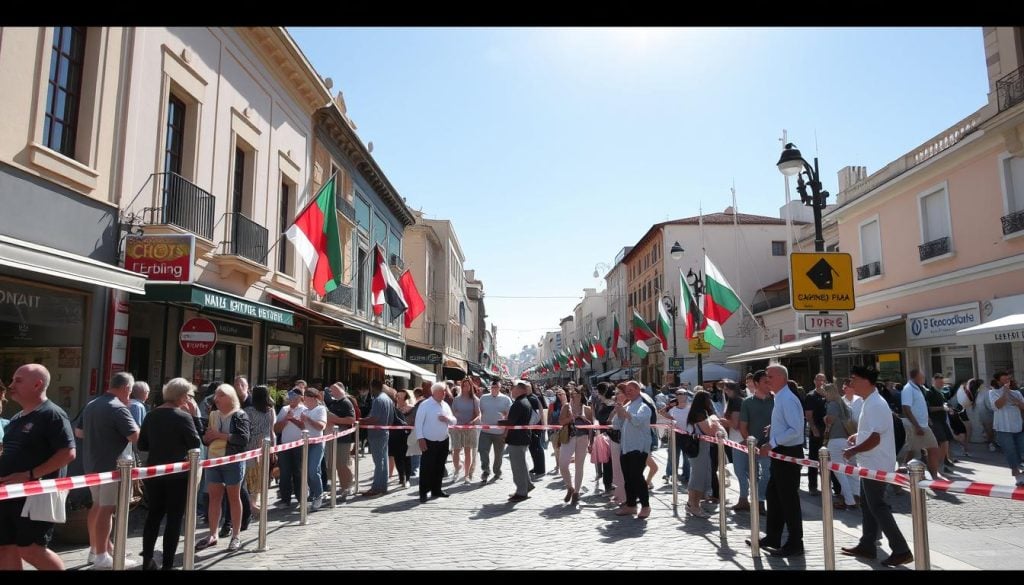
217, 462
742, 447
46, 486
158, 470
976, 489
885, 476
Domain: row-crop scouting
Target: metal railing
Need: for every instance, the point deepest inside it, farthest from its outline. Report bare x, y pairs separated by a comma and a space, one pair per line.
187, 206
1010, 89
768, 304
934, 248
1013, 222
341, 296
868, 270
247, 238
345, 208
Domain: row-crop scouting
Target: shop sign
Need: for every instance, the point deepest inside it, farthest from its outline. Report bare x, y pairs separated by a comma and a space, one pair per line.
230, 329
420, 356
164, 258
927, 325
197, 336
214, 300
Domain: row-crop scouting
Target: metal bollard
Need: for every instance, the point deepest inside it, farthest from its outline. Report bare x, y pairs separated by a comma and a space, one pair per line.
304, 489
722, 471
124, 501
264, 493
358, 447
919, 514
332, 467
674, 465
827, 536
755, 506
191, 501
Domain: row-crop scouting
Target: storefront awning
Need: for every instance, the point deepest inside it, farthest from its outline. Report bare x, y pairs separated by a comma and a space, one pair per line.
23, 255
1003, 330
392, 367
455, 364
793, 347
208, 298
427, 375
606, 375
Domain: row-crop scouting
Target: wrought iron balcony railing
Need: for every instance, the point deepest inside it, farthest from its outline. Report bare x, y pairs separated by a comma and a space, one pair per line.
1010, 89
1013, 222
934, 248
868, 270
345, 208
187, 206
246, 238
341, 296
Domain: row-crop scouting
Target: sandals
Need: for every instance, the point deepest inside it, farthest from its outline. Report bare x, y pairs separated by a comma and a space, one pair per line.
698, 512
206, 543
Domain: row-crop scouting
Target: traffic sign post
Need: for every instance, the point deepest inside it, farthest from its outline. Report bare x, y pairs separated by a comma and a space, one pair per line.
822, 281
197, 336
699, 346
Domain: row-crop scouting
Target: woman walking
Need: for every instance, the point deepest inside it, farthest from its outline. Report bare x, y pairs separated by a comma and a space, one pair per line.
574, 441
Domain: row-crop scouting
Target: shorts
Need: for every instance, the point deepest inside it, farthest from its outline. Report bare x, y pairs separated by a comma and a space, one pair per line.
106, 494
21, 531
464, 438
227, 474
915, 442
940, 430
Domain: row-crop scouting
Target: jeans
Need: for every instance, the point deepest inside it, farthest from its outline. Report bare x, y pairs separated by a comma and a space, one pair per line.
379, 453
680, 456
835, 451
633, 465
290, 462
414, 461
313, 478
489, 442
876, 515
1012, 445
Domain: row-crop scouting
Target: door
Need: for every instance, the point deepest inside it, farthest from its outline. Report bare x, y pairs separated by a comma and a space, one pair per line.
138, 359
963, 369
218, 365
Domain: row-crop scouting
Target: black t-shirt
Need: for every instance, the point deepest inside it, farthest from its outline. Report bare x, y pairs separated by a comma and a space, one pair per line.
32, 438
733, 405
168, 434
342, 409
815, 403
932, 398
519, 414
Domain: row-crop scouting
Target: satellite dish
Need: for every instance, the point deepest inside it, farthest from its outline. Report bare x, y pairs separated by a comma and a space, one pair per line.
369, 146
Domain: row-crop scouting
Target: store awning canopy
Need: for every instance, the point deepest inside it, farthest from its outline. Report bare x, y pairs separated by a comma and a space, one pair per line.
456, 364
427, 375
392, 367
606, 375
1003, 330
793, 347
23, 255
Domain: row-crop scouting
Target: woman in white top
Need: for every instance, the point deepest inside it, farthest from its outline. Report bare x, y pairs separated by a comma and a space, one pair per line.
839, 425
1009, 424
575, 412
965, 397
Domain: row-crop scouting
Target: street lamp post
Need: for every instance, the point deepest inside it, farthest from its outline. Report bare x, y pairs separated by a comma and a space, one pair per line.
673, 309
696, 280
791, 163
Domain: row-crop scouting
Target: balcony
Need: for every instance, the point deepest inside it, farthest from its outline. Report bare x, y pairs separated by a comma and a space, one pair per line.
187, 206
769, 304
245, 249
1010, 89
1013, 223
342, 296
396, 261
933, 248
868, 270
346, 209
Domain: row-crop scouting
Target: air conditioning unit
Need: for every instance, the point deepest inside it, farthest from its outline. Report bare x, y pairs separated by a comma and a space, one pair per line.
396, 261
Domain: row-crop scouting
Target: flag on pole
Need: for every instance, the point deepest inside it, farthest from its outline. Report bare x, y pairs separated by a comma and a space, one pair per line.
413, 298
597, 349
640, 349
694, 320
641, 330
663, 326
720, 302
316, 238
617, 340
385, 288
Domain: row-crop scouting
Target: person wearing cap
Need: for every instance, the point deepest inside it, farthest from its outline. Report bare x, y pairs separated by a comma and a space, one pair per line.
289, 425
168, 433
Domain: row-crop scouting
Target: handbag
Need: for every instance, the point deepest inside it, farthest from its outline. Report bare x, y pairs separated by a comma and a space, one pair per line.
600, 449
565, 433
46, 507
690, 444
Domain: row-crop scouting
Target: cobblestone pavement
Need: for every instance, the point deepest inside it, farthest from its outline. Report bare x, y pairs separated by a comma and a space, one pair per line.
965, 532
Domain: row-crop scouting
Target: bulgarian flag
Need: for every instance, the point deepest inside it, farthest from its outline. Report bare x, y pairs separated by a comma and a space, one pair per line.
584, 354
663, 326
315, 236
694, 320
617, 340
720, 301
596, 349
641, 330
640, 349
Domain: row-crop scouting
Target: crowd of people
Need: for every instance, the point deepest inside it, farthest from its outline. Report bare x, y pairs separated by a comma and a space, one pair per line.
859, 421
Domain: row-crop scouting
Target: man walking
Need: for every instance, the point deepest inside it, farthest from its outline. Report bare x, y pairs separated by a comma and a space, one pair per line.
433, 417
636, 445
786, 437
107, 430
38, 444
539, 410
518, 440
920, 437
382, 410
874, 448
493, 408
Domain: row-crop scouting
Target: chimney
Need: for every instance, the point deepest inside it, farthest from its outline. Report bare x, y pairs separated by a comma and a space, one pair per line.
729, 211
850, 176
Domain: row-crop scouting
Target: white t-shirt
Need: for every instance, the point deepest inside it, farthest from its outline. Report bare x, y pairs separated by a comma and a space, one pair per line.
318, 414
855, 406
1006, 419
875, 417
679, 415
290, 432
913, 396
962, 400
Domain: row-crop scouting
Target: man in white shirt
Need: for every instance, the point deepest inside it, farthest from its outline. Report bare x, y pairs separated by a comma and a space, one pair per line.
915, 423
875, 448
1007, 406
493, 407
289, 425
433, 417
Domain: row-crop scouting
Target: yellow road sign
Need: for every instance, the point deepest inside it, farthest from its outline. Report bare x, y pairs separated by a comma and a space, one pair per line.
698, 345
821, 281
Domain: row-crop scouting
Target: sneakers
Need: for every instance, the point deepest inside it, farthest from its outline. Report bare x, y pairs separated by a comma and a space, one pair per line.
1020, 479
105, 562
313, 506
991, 448
92, 556
235, 544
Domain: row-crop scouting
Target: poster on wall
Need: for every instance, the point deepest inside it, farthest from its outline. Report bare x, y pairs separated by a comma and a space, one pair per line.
889, 368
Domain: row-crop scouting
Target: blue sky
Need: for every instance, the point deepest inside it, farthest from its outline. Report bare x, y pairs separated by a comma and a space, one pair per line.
551, 149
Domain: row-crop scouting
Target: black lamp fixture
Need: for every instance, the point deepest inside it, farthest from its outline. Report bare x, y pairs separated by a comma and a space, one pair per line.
677, 251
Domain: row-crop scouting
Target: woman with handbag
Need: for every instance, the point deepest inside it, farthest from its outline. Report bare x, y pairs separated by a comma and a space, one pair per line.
573, 441
228, 434
261, 417
603, 414
700, 421
839, 425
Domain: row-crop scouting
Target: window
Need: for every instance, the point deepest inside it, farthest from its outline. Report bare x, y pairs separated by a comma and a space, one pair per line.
462, 313
778, 248
238, 183
394, 245
379, 231
870, 249
935, 221
64, 93
361, 290
175, 147
284, 254
1013, 176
